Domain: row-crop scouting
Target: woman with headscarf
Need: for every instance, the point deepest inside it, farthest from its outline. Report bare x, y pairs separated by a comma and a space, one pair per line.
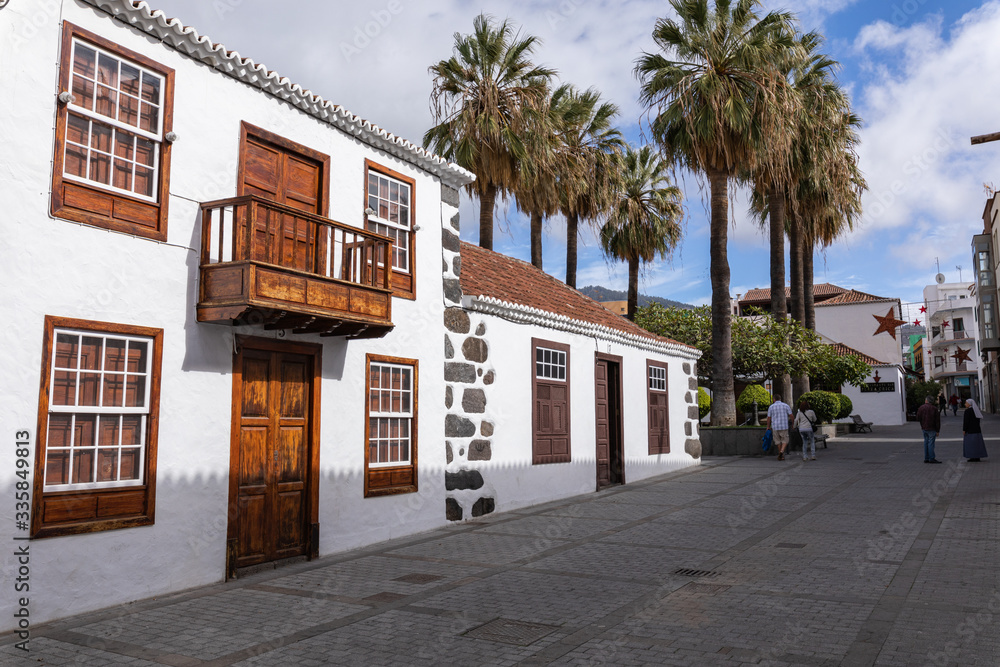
973, 446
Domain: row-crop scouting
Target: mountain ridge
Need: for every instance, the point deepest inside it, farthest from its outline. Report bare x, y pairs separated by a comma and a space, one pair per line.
599, 293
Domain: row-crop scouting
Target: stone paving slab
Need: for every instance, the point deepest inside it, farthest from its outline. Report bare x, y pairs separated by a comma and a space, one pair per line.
866, 556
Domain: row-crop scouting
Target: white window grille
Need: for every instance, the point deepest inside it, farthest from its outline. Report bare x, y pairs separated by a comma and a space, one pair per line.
390, 414
550, 364
98, 408
389, 199
657, 378
114, 124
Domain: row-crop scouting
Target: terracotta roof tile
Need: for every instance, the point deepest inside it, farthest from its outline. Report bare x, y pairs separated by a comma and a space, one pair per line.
843, 351
763, 294
854, 296
490, 274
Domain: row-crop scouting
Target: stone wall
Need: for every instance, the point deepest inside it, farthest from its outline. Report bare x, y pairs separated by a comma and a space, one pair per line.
468, 375
692, 443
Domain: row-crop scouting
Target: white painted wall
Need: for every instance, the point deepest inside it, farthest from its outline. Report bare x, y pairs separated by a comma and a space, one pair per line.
854, 324
56, 267
510, 473
882, 408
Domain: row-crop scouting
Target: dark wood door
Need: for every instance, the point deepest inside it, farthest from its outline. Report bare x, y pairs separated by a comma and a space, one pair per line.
272, 486
289, 175
607, 380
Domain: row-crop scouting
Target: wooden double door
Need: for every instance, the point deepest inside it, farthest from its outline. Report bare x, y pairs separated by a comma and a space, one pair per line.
274, 453
288, 173
610, 445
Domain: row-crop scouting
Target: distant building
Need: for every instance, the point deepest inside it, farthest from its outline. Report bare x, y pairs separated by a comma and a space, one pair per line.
620, 307
953, 357
985, 255
858, 323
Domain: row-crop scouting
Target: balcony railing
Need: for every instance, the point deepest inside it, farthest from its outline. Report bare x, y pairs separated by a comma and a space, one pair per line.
270, 264
950, 336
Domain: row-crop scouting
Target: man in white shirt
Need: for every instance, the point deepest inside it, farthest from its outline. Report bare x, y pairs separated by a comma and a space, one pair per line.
777, 421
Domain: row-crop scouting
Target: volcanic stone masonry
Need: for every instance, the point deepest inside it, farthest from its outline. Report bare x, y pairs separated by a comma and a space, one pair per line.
468, 376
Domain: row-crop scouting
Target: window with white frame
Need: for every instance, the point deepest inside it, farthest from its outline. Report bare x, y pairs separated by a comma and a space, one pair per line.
95, 463
391, 439
390, 414
657, 378
550, 364
114, 127
389, 205
98, 410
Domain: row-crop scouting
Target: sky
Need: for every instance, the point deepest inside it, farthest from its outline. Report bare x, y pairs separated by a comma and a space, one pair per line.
922, 74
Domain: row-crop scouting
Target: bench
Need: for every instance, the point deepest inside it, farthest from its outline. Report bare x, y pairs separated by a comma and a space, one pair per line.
861, 424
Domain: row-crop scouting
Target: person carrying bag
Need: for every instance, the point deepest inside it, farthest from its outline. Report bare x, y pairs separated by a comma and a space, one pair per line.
805, 421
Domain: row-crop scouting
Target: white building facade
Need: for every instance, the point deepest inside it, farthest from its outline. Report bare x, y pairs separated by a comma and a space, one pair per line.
224, 337
952, 350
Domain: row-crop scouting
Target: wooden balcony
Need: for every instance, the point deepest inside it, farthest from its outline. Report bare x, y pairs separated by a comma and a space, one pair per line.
268, 264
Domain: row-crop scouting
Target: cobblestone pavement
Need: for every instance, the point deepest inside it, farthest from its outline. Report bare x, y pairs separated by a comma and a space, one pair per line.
866, 556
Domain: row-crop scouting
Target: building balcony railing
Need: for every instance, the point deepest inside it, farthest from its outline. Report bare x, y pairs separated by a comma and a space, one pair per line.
268, 264
951, 336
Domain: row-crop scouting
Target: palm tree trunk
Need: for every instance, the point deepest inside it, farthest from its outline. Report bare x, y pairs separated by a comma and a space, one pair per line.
808, 247
796, 304
572, 226
486, 201
536, 239
724, 397
776, 215
633, 287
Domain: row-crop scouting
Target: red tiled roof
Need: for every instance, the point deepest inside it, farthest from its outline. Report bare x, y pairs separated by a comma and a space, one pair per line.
843, 351
763, 294
490, 274
854, 296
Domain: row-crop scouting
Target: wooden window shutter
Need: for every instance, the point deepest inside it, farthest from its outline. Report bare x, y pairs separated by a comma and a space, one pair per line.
551, 403
658, 410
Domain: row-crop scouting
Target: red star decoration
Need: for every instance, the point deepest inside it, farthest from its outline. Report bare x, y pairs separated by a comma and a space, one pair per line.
944, 324
887, 324
961, 355
923, 309
916, 323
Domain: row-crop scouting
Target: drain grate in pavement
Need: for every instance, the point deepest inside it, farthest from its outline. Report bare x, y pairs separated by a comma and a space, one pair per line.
507, 631
418, 578
789, 545
688, 572
384, 597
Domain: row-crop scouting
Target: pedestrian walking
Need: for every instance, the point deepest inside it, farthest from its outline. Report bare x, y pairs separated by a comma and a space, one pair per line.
777, 421
943, 404
805, 421
953, 401
930, 422
973, 445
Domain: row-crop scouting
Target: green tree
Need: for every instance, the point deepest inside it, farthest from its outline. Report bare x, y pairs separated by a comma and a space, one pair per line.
485, 99
762, 346
718, 104
644, 217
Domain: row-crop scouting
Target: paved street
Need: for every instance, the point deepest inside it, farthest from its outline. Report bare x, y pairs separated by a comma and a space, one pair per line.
867, 556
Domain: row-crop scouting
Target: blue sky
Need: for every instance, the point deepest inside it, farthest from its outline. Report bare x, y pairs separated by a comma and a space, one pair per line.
922, 74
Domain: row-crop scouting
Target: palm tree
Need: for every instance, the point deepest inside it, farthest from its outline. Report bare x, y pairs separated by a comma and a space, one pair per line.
590, 143
718, 103
644, 217
484, 99
538, 192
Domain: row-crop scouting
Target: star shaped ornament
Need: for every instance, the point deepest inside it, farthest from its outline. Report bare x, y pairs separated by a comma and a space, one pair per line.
923, 309
916, 323
887, 324
944, 324
961, 355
